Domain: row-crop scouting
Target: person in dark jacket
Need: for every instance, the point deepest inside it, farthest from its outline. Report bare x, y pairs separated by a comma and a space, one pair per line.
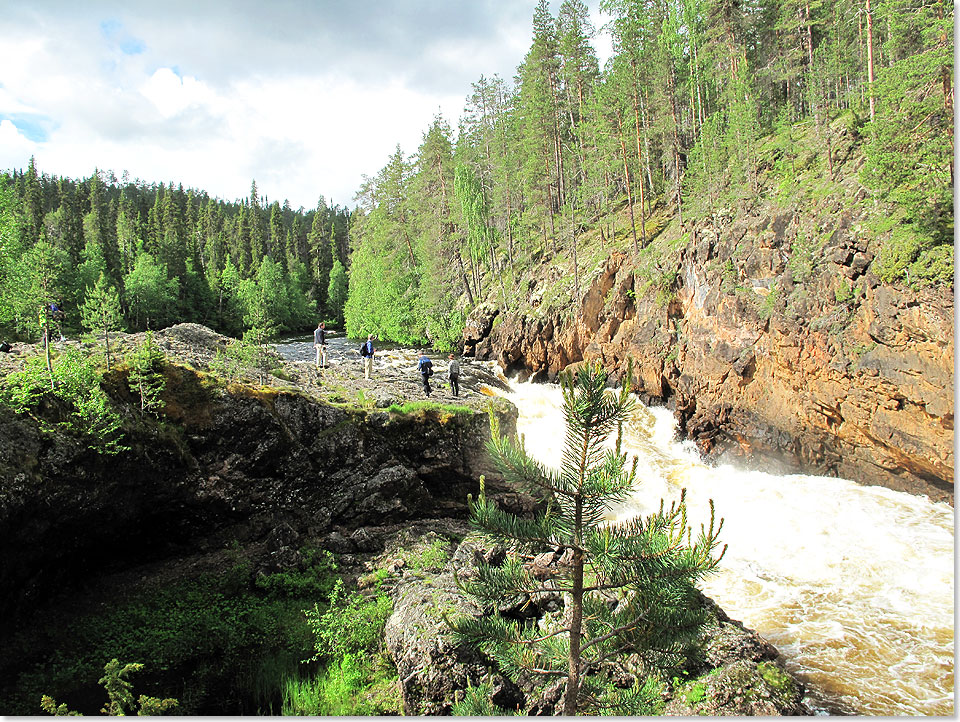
453, 370
320, 342
425, 367
367, 352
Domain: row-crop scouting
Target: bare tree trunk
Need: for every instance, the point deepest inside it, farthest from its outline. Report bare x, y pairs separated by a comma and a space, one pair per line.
646, 146
870, 59
946, 78
626, 177
636, 122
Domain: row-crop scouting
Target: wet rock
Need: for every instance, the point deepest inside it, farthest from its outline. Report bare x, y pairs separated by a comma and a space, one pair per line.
435, 671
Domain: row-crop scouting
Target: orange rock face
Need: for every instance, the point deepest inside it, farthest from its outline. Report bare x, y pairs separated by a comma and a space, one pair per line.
819, 369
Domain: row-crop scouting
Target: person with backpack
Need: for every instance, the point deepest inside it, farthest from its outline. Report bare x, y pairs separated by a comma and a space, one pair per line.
425, 367
367, 351
320, 342
453, 371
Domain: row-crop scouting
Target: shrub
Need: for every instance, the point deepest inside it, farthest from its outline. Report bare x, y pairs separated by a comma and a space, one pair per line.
89, 411
351, 623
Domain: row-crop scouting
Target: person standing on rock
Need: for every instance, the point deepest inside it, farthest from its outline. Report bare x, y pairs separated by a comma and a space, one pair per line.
425, 367
320, 343
453, 370
367, 352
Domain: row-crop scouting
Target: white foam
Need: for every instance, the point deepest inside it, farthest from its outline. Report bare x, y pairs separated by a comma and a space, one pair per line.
854, 584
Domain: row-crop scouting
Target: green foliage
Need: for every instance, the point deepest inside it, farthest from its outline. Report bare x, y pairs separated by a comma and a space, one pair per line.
337, 292
182, 260
39, 277
351, 624
101, 311
770, 303
357, 678
649, 565
909, 151
146, 377
431, 557
250, 355
476, 702
353, 685
11, 249
221, 642
804, 256
907, 255
365, 402
696, 694
844, 292
316, 579
120, 692
151, 293
80, 406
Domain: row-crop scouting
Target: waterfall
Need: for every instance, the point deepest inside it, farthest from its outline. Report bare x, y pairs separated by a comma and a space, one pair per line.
852, 583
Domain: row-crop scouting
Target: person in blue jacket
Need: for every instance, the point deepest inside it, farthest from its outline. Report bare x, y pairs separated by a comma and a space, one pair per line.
367, 352
425, 367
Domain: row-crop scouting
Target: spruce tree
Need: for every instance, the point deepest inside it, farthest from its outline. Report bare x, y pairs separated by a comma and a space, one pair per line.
146, 374
101, 311
627, 587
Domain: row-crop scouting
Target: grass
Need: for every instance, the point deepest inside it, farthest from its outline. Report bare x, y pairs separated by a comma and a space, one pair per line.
358, 677
216, 642
354, 685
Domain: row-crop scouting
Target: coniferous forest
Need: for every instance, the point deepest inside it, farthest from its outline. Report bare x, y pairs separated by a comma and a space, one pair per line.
699, 100
213, 529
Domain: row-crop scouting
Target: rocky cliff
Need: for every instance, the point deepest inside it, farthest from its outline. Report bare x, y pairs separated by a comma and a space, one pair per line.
228, 461
772, 338
266, 470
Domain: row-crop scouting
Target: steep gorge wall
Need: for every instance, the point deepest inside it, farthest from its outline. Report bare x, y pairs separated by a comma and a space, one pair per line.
774, 342
229, 464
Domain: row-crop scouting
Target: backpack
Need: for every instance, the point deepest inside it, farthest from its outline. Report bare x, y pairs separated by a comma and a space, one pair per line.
428, 368
363, 349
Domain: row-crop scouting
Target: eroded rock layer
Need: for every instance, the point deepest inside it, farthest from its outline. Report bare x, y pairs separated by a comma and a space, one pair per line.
239, 462
773, 349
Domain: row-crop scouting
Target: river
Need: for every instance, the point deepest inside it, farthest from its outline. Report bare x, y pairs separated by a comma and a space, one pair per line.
853, 584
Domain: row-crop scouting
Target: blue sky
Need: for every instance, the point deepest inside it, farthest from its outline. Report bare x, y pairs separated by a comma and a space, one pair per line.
214, 95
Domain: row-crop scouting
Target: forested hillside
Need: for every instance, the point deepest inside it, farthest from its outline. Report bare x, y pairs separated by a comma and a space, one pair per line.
704, 105
160, 255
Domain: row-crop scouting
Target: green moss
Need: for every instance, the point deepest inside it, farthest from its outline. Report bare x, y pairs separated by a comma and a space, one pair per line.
430, 557
778, 680
696, 694
419, 407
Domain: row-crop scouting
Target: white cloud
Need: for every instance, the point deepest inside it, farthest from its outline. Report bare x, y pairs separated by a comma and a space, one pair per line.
171, 94
305, 98
13, 145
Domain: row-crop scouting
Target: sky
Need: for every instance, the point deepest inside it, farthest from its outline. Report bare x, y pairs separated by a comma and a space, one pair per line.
304, 97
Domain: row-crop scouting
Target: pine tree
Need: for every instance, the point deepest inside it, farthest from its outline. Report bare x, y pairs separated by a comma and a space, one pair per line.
120, 692
11, 254
146, 374
101, 311
626, 586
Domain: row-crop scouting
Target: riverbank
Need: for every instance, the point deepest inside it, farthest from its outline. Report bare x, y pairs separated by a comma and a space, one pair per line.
167, 552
